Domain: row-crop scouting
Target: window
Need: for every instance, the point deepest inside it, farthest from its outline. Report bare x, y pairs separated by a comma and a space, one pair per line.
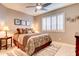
44, 22
60, 22
53, 23
48, 23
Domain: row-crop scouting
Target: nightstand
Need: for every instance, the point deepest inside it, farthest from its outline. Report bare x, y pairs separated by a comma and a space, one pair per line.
6, 39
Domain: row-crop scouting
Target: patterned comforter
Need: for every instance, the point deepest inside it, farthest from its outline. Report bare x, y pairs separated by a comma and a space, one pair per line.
32, 41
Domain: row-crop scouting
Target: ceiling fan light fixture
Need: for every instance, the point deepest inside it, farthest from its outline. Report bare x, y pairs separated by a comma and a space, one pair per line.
39, 7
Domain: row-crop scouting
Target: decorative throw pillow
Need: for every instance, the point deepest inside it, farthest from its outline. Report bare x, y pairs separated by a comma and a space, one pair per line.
25, 31
21, 31
30, 30
18, 31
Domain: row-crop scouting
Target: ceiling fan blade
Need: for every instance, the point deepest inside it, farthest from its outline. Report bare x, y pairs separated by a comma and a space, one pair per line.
30, 6
35, 10
46, 4
37, 4
44, 9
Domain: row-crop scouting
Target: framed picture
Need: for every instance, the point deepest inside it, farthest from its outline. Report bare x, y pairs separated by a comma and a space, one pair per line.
23, 22
28, 23
17, 21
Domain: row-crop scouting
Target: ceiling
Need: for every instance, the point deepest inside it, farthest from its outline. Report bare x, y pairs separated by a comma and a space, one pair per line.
30, 11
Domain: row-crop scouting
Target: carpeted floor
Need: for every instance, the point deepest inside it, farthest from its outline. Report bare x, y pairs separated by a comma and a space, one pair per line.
55, 49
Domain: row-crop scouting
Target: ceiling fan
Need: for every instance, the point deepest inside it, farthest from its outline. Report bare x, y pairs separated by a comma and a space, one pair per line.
39, 6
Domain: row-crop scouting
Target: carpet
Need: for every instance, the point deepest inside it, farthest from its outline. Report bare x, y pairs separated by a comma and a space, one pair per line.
14, 51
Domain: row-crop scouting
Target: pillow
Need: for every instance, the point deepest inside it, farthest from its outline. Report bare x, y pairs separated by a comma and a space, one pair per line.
30, 30
19, 31
25, 31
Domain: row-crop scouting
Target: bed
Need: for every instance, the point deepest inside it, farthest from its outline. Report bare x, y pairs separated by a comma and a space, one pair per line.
31, 42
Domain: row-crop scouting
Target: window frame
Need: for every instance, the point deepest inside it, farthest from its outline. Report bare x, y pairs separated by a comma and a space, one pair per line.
56, 23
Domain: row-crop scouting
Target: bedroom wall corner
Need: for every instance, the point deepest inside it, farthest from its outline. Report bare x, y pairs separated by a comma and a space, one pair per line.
70, 27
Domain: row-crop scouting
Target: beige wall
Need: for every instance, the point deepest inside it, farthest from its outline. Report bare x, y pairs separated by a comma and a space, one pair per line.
15, 14
70, 27
3, 17
7, 17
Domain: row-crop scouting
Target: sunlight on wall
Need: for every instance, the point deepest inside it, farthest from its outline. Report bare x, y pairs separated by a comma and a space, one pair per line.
2, 32
35, 28
2, 23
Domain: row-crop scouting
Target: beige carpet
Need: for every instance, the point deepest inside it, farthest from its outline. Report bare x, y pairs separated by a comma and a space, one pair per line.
52, 50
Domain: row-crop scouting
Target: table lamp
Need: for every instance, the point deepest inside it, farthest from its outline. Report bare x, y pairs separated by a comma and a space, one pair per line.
6, 29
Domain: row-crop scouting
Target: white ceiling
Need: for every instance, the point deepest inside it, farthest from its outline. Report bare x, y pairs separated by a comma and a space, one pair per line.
22, 7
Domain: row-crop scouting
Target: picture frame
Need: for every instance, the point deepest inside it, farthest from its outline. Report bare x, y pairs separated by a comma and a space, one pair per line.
17, 21
23, 22
28, 23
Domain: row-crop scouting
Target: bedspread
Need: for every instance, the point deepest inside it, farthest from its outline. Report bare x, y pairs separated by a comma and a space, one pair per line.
32, 41
37, 41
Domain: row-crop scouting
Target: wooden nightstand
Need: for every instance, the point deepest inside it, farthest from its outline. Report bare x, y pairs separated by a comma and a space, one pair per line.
6, 39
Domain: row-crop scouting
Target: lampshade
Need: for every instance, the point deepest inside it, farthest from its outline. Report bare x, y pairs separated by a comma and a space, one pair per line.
6, 28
